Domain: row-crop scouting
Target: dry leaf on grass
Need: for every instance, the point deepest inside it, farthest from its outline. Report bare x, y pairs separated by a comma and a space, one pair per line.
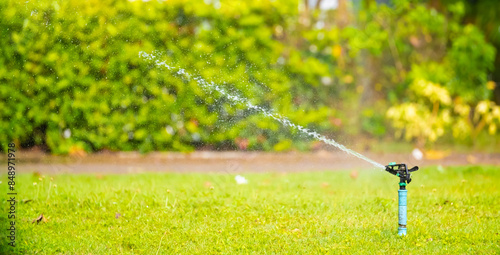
354, 174
40, 218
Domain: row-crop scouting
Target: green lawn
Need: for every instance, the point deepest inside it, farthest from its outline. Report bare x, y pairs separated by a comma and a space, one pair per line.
451, 210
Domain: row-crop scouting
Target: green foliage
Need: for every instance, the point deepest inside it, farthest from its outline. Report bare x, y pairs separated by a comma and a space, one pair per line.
442, 65
374, 123
471, 58
72, 79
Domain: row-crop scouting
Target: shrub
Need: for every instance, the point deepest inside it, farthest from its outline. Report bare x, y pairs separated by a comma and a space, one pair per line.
72, 79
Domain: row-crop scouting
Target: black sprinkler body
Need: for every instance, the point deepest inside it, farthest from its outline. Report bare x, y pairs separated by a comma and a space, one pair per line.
401, 171
404, 174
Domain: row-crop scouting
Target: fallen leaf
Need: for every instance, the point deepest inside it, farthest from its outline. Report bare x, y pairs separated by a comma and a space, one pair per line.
39, 219
354, 174
435, 155
471, 159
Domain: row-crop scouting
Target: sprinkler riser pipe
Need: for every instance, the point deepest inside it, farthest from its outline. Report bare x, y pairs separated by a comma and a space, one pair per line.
402, 198
404, 174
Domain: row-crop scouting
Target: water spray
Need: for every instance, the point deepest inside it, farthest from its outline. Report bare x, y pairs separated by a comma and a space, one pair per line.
210, 87
399, 170
404, 174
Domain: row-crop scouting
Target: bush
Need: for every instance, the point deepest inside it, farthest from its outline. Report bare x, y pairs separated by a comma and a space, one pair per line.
72, 78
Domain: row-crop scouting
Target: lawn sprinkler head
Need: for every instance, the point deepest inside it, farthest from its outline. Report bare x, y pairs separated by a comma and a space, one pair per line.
401, 171
404, 174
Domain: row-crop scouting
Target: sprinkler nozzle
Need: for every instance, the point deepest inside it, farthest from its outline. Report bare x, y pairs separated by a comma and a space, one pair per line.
401, 171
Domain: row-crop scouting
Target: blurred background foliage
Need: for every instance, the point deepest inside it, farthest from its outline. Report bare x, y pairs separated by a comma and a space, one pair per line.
419, 72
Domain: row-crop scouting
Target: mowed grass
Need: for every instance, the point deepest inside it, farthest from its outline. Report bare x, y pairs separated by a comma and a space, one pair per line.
450, 210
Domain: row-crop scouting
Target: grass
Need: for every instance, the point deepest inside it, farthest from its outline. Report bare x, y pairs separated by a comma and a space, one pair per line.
452, 210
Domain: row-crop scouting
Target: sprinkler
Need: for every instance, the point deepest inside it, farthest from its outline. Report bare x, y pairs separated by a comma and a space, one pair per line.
404, 174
